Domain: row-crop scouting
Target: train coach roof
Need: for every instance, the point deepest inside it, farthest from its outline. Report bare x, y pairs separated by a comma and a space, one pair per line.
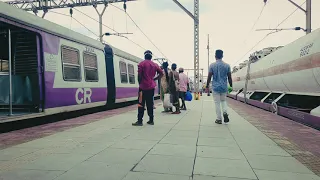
18, 15
123, 54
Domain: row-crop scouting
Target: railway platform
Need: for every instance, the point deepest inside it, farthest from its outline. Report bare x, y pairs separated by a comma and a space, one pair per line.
255, 145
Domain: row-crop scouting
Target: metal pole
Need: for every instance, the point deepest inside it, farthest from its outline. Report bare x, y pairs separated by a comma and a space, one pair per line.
247, 81
208, 51
308, 14
202, 75
196, 46
195, 18
10, 74
100, 21
208, 47
100, 27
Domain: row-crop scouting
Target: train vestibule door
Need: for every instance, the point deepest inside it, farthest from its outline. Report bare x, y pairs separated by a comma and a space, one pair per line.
19, 70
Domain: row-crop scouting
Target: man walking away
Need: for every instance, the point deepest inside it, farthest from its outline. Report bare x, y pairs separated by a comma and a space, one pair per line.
146, 73
184, 84
220, 73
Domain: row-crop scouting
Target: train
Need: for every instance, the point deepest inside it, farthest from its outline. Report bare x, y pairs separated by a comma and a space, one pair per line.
284, 80
57, 70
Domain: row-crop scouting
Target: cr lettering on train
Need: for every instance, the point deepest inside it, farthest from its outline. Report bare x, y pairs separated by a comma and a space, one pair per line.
83, 95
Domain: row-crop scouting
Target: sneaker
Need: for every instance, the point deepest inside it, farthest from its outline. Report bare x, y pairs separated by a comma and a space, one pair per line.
177, 112
225, 117
218, 121
137, 124
150, 122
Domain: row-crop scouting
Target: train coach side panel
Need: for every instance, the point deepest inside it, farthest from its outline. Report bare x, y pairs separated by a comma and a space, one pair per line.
291, 68
126, 89
238, 79
79, 93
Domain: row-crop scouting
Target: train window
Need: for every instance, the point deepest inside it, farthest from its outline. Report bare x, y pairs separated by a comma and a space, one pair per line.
71, 64
90, 67
4, 66
123, 72
131, 74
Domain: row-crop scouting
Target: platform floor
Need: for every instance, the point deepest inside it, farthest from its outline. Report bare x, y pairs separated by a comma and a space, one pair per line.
178, 147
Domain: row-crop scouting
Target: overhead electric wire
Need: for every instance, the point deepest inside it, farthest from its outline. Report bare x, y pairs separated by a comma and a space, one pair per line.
141, 30
102, 24
112, 28
75, 20
270, 33
255, 23
95, 20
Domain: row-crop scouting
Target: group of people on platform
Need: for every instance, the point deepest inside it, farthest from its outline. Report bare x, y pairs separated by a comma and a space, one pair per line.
176, 83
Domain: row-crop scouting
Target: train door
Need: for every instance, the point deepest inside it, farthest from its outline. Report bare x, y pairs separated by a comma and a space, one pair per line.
21, 47
111, 84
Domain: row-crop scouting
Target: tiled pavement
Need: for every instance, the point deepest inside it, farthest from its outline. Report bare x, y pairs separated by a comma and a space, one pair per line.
301, 142
179, 147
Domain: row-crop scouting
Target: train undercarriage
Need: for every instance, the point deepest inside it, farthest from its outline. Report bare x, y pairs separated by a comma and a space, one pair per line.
303, 108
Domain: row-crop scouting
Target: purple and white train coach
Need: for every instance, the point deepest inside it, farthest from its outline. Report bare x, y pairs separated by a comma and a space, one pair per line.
55, 69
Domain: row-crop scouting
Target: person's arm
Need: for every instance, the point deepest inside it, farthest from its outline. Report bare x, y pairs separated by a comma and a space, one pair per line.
160, 73
170, 77
188, 85
209, 76
140, 70
229, 77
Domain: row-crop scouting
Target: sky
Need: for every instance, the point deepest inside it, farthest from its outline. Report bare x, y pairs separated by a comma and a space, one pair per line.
229, 23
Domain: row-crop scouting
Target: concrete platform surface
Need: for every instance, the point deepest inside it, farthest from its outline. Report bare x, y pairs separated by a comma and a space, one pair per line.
178, 147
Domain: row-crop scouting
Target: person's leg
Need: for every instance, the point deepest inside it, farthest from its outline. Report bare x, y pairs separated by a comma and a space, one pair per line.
172, 101
182, 95
162, 98
149, 102
141, 105
216, 97
183, 101
223, 98
176, 102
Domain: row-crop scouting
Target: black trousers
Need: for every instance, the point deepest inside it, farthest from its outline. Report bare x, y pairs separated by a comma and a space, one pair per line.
182, 96
145, 98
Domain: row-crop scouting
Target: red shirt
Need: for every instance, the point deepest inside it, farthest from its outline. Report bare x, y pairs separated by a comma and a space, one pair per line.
147, 70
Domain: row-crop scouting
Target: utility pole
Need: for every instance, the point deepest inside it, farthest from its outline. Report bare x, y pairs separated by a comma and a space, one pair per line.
307, 11
208, 47
100, 20
195, 18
